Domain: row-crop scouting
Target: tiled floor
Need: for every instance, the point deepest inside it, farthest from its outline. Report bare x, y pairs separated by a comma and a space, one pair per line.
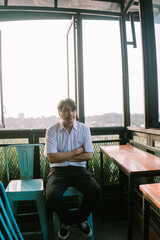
103, 230
106, 230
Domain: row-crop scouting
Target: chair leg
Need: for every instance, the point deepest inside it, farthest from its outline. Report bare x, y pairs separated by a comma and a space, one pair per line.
56, 225
14, 207
42, 216
90, 222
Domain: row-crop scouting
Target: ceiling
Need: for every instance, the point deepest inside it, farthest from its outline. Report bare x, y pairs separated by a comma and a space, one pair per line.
94, 5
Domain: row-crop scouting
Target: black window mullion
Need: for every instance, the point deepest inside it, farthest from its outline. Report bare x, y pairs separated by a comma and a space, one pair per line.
150, 64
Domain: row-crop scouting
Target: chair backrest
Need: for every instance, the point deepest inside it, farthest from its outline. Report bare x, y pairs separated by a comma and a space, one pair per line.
25, 154
8, 225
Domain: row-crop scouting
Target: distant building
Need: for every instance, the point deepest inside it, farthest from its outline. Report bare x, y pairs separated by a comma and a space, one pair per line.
21, 115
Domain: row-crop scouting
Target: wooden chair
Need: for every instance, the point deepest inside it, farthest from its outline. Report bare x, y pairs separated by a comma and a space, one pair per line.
26, 188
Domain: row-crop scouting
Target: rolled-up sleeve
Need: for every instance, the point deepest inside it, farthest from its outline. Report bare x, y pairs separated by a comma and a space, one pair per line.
51, 144
88, 146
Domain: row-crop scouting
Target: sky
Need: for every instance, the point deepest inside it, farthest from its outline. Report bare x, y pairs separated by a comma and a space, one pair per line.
34, 67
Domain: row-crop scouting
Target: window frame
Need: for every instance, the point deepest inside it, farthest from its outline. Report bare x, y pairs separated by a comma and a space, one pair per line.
149, 64
118, 19
149, 56
78, 36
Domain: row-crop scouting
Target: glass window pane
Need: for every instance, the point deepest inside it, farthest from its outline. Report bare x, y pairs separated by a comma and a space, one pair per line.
34, 71
1, 2
157, 144
1, 89
156, 7
71, 64
102, 73
1, 109
89, 4
38, 3
136, 88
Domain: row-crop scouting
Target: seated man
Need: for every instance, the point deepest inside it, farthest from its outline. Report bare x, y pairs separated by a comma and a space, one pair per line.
68, 147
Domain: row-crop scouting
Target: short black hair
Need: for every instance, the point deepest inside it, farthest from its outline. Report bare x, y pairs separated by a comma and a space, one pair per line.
67, 101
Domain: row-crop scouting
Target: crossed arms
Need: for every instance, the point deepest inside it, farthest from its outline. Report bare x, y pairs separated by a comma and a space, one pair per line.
76, 155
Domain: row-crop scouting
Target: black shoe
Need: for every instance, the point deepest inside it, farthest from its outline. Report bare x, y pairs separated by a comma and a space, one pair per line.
64, 231
85, 229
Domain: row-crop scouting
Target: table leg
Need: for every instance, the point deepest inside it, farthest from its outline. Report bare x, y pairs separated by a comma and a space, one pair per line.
102, 201
130, 206
145, 224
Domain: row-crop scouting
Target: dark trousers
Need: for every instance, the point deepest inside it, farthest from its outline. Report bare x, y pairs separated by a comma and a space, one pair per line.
59, 179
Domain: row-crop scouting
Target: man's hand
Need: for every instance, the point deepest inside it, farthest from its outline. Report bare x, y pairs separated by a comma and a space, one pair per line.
79, 151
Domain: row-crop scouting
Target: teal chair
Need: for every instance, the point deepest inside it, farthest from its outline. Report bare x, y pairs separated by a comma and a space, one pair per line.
71, 191
27, 188
8, 225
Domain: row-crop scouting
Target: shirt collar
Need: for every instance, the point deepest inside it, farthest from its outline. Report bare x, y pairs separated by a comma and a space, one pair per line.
61, 126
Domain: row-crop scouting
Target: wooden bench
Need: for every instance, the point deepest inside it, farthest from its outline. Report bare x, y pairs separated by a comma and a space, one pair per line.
151, 197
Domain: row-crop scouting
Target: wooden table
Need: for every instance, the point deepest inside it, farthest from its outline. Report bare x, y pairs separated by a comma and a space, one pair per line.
134, 163
151, 197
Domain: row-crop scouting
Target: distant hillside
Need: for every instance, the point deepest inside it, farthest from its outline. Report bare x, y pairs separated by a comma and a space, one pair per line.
113, 119
31, 123
108, 119
137, 120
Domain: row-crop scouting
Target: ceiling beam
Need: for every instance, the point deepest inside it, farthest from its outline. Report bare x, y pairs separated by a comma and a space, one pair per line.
128, 5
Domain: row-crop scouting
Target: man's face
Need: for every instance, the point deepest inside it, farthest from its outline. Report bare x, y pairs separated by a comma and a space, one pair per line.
68, 115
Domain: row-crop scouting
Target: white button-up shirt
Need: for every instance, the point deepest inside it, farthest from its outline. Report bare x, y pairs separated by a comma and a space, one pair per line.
59, 140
